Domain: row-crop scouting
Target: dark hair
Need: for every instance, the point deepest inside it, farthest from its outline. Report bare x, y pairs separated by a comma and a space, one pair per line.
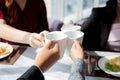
111, 7
12, 12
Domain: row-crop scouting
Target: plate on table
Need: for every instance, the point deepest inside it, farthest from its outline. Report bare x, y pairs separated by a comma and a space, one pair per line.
5, 50
102, 63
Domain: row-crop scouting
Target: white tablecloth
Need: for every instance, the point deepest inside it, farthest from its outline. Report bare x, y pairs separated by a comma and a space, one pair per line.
60, 71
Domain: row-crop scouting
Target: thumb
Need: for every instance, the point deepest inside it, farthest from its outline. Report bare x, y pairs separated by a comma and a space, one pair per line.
56, 47
49, 44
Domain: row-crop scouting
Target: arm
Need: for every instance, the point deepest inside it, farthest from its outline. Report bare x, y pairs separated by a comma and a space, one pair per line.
12, 34
46, 57
77, 55
9, 33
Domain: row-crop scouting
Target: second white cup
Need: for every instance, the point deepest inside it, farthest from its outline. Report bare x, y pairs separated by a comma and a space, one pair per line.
70, 28
71, 36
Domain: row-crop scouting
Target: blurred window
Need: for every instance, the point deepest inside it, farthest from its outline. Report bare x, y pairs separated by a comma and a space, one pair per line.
72, 9
88, 4
102, 1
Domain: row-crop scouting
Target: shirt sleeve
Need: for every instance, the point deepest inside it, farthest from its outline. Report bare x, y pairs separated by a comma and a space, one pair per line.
77, 70
33, 73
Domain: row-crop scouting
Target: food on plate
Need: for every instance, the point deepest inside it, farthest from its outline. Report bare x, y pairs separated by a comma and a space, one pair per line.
4, 50
113, 64
115, 61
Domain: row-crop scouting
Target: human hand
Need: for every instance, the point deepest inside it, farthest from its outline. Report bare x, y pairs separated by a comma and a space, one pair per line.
47, 55
76, 51
36, 40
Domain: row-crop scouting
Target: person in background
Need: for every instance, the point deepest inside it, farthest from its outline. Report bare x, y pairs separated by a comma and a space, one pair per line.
48, 55
102, 28
24, 15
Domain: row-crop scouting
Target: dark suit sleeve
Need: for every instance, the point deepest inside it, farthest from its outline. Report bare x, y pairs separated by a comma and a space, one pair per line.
32, 73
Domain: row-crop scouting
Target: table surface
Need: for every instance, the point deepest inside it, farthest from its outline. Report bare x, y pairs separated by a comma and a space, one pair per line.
59, 71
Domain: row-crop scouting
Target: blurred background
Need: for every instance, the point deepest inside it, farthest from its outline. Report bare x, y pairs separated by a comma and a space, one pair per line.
74, 10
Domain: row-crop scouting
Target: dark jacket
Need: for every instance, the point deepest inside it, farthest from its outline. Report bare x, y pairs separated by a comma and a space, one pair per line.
96, 29
32, 73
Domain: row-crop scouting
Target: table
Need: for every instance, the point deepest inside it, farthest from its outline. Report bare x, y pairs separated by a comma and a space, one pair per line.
60, 71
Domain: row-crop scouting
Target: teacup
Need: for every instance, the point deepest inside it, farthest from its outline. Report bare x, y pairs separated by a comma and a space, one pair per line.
70, 28
71, 36
61, 39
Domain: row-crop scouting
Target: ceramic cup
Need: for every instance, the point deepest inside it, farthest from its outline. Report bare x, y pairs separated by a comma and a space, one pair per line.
70, 28
61, 39
71, 36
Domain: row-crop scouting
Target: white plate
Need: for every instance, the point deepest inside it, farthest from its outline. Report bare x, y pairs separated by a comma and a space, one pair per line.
9, 47
102, 62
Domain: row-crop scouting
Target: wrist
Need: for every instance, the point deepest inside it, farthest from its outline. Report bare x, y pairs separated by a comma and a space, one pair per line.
30, 38
27, 38
36, 64
38, 67
77, 56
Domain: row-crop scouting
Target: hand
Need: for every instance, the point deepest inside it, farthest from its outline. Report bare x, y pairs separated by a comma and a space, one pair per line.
36, 40
47, 55
76, 51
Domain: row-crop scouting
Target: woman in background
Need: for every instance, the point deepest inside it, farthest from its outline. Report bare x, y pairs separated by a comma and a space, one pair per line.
25, 15
102, 28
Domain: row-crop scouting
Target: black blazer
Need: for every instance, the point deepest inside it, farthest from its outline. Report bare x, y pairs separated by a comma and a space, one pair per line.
32, 73
96, 29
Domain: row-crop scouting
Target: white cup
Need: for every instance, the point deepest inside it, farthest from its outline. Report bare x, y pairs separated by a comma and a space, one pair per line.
61, 39
70, 28
71, 36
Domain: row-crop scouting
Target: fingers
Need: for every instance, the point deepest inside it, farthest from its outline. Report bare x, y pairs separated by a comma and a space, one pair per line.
44, 32
56, 47
77, 44
76, 50
38, 37
49, 44
36, 40
52, 45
